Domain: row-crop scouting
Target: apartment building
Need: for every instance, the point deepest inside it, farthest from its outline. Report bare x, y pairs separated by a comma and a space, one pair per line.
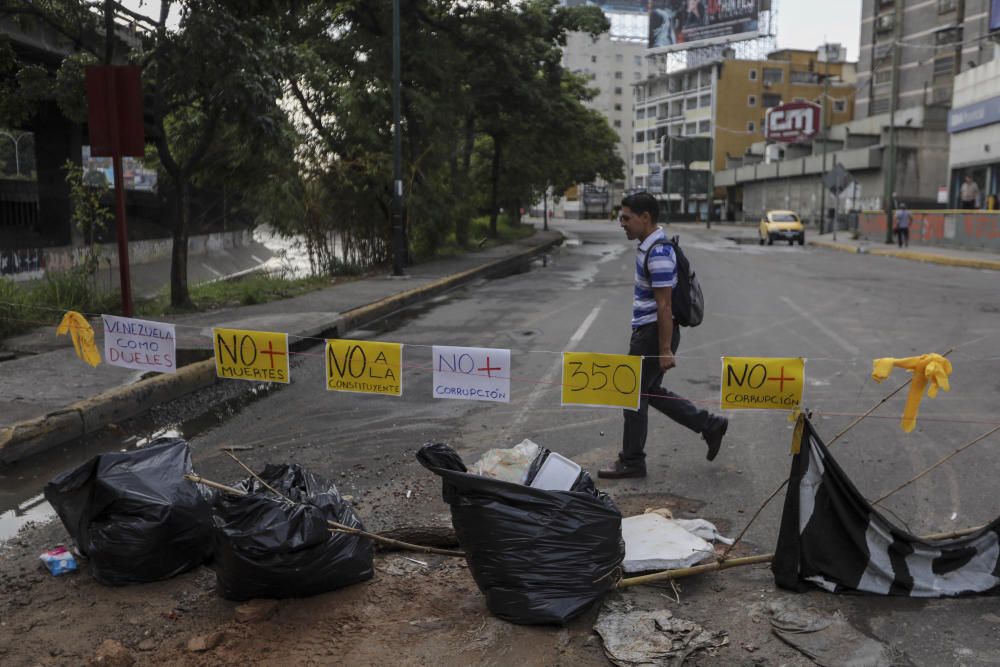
726, 101
939, 39
613, 67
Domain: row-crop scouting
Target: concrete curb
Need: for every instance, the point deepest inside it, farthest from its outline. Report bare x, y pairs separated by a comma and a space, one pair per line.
36, 436
944, 260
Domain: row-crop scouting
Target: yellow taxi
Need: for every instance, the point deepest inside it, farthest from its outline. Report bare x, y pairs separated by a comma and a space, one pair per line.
782, 226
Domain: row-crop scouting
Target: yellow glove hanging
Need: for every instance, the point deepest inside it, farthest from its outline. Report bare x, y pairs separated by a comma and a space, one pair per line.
927, 368
83, 336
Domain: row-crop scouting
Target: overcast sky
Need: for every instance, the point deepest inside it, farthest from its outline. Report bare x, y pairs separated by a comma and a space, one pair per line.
802, 24
805, 24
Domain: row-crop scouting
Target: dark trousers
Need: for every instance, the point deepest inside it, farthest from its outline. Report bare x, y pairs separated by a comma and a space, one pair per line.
645, 341
969, 204
903, 236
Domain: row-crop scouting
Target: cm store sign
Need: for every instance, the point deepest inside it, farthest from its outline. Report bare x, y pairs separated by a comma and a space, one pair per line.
471, 373
762, 383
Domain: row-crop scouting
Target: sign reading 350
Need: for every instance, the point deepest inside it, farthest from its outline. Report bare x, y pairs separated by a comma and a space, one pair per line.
601, 380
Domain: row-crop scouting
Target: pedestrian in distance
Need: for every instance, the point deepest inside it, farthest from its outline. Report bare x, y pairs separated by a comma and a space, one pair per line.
655, 337
902, 227
969, 193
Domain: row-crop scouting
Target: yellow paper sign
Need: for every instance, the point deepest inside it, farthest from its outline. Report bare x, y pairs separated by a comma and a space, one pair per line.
259, 356
764, 383
601, 380
364, 367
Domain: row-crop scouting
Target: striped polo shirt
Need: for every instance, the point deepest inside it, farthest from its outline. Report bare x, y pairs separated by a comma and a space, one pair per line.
662, 271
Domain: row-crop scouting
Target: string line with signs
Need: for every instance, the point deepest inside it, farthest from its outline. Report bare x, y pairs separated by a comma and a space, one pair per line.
589, 379
679, 355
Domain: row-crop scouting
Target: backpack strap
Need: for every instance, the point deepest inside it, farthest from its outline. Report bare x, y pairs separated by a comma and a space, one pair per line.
645, 261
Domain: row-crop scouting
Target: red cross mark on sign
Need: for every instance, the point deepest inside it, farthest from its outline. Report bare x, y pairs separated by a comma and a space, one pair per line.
270, 352
489, 368
782, 379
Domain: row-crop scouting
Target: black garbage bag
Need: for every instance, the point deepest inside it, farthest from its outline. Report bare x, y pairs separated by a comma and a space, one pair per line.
540, 557
134, 515
265, 547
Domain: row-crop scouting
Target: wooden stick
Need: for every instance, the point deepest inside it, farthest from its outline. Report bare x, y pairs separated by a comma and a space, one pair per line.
942, 461
669, 575
334, 526
829, 444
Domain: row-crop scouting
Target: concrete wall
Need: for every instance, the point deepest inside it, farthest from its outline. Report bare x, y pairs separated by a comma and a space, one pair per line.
24, 264
978, 231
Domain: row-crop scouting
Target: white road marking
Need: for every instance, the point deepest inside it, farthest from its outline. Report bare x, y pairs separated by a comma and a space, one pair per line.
256, 259
848, 347
548, 382
217, 274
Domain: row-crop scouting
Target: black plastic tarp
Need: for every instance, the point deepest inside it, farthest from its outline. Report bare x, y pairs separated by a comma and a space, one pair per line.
133, 514
266, 547
540, 557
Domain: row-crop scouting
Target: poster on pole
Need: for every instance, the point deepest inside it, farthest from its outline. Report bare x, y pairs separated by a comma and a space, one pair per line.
675, 25
471, 373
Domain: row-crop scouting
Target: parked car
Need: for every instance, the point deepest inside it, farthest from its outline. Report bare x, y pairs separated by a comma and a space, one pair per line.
783, 226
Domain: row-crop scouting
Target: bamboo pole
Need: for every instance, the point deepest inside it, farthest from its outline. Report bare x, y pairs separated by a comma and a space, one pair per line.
719, 565
334, 526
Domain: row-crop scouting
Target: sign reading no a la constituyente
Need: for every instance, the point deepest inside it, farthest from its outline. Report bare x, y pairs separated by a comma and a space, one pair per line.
762, 383
472, 373
364, 367
258, 356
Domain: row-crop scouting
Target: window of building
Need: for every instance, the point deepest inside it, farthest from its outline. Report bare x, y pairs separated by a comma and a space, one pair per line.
640, 113
691, 103
618, 106
618, 90
704, 126
881, 51
691, 128
883, 76
705, 101
803, 77
769, 100
618, 75
637, 60
650, 157
593, 59
705, 78
751, 100
617, 123
948, 36
885, 22
640, 136
773, 75
944, 67
636, 76
640, 158
639, 180
839, 106
945, 6
880, 105
675, 130
753, 74
618, 57
751, 127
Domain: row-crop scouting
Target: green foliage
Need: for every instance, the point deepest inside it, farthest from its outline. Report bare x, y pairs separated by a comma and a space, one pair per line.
90, 216
249, 290
25, 306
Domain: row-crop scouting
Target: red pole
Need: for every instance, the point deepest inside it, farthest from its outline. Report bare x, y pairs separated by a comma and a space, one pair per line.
116, 158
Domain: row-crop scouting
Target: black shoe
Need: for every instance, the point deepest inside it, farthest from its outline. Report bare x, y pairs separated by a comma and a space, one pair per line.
713, 433
619, 470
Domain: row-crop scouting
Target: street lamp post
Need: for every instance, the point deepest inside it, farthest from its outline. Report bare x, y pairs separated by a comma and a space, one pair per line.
398, 242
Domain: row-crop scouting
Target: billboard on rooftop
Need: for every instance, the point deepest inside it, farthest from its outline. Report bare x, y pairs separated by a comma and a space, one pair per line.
675, 25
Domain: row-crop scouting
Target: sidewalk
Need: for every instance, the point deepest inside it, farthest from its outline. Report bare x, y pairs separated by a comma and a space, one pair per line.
51, 398
974, 259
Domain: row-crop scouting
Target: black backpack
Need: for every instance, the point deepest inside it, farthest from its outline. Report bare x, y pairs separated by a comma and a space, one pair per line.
688, 301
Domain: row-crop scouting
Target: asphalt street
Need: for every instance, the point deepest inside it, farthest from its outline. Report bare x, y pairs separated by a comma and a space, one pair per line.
839, 311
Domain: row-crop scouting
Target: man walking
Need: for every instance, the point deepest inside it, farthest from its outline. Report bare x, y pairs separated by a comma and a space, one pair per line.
969, 193
902, 227
655, 337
